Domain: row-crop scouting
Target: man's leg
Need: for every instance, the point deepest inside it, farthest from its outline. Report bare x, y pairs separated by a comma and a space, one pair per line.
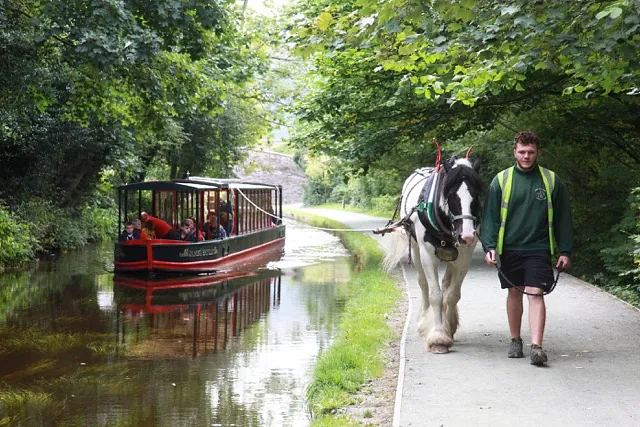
514, 315
537, 318
537, 315
514, 312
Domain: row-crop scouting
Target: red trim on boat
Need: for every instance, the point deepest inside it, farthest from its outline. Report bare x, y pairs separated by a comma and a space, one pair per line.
150, 264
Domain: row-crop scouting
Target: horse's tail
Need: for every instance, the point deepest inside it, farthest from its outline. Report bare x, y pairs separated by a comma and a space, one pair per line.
397, 249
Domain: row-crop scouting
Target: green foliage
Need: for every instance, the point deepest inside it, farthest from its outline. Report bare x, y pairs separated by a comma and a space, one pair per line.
621, 257
389, 78
17, 243
22, 405
125, 86
56, 228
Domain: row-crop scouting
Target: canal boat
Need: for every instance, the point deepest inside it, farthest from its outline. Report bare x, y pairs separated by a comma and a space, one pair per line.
250, 213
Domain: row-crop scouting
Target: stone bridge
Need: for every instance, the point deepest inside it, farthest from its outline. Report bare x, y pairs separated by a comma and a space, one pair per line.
274, 168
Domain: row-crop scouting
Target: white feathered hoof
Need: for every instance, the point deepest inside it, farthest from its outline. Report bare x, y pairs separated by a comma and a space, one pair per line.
439, 342
439, 349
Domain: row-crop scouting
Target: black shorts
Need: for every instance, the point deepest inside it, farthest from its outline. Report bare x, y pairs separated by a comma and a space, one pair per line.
526, 268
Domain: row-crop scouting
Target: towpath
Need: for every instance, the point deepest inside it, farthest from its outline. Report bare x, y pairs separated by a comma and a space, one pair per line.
592, 340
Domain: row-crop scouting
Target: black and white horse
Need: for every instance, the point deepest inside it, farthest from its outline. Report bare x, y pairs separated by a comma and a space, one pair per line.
442, 211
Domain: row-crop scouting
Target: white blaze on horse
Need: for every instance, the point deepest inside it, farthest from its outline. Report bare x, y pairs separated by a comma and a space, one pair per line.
440, 211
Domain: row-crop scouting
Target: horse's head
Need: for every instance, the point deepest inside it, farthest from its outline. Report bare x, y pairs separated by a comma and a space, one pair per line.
460, 200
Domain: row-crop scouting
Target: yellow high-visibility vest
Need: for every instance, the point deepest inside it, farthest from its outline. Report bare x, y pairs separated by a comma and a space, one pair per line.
505, 179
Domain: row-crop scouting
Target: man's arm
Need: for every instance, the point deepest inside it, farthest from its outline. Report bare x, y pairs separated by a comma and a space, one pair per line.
562, 224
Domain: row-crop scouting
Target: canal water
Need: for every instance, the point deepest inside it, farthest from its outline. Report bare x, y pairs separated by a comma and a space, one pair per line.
79, 346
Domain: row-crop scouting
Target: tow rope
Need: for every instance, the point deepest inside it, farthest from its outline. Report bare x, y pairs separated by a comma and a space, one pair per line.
516, 287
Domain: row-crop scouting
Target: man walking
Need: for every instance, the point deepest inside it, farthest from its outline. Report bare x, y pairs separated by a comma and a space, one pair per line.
526, 221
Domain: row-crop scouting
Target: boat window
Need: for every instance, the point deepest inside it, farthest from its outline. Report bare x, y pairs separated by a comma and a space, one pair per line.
165, 206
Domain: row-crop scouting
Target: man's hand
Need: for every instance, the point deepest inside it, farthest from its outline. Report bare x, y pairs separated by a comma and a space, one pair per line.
490, 257
564, 262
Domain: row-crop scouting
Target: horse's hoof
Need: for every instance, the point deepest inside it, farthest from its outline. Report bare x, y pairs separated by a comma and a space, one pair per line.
439, 349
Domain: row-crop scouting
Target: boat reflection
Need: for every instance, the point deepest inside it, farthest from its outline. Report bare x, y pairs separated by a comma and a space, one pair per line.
191, 316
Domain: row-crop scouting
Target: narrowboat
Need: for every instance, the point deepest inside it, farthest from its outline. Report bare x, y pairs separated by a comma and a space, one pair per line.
249, 213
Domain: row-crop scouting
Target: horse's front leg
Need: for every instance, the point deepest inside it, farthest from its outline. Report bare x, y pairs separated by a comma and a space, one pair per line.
452, 286
432, 324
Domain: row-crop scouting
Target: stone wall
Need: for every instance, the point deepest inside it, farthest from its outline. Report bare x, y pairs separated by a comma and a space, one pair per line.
274, 168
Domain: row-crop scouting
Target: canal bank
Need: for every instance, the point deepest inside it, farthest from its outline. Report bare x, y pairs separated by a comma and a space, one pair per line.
372, 401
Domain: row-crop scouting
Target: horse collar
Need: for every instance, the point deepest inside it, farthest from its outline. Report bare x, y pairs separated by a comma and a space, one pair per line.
428, 213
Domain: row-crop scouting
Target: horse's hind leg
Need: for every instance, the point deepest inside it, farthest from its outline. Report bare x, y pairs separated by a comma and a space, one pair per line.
422, 281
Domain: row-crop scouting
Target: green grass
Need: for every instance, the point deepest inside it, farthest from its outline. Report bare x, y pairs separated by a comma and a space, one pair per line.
354, 357
284, 149
22, 405
373, 212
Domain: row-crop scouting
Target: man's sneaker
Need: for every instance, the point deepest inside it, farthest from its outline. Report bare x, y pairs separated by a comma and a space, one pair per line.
538, 356
515, 348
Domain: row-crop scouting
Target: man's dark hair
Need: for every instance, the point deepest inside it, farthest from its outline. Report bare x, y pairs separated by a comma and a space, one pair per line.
526, 138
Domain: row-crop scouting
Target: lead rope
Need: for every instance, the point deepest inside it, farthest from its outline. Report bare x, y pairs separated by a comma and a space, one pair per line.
512, 285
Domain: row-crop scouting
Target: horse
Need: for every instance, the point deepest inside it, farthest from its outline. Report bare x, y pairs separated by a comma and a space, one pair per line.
440, 211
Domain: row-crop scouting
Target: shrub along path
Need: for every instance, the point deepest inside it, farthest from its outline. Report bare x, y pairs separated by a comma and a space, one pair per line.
592, 377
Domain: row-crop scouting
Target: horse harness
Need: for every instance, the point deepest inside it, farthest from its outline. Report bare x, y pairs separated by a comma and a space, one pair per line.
443, 240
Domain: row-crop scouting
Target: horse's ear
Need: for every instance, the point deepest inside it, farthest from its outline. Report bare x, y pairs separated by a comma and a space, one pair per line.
448, 164
476, 164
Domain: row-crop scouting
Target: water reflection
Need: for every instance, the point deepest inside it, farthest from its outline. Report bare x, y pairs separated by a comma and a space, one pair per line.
191, 316
79, 346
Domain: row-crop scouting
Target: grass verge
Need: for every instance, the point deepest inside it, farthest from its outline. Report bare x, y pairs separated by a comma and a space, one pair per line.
386, 214
355, 356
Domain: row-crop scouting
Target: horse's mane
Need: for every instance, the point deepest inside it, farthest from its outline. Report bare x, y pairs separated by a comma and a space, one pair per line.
463, 172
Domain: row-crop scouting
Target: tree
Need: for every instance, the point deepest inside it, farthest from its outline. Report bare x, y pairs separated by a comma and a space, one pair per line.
394, 75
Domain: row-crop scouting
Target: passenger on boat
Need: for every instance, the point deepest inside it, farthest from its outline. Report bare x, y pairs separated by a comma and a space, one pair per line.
192, 224
212, 229
137, 225
161, 227
226, 220
187, 232
149, 232
129, 233
274, 219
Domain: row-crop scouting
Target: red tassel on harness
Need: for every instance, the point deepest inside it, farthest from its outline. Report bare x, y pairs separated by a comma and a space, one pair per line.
439, 156
468, 151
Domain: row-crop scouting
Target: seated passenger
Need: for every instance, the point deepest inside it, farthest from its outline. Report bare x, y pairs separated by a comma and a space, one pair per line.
186, 232
129, 233
161, 227
149, 232
173, 234
137, 225
192, 224
212, 229
226, 220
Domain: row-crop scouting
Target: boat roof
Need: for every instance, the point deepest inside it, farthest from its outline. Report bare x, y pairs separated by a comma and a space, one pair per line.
196, 183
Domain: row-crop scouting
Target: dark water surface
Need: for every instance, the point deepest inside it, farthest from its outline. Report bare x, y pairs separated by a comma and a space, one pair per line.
79, 346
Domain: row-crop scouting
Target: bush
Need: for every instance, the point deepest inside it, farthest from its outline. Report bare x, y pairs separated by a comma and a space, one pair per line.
622, 257
56, 228
17, 244
316, 192
384, 203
